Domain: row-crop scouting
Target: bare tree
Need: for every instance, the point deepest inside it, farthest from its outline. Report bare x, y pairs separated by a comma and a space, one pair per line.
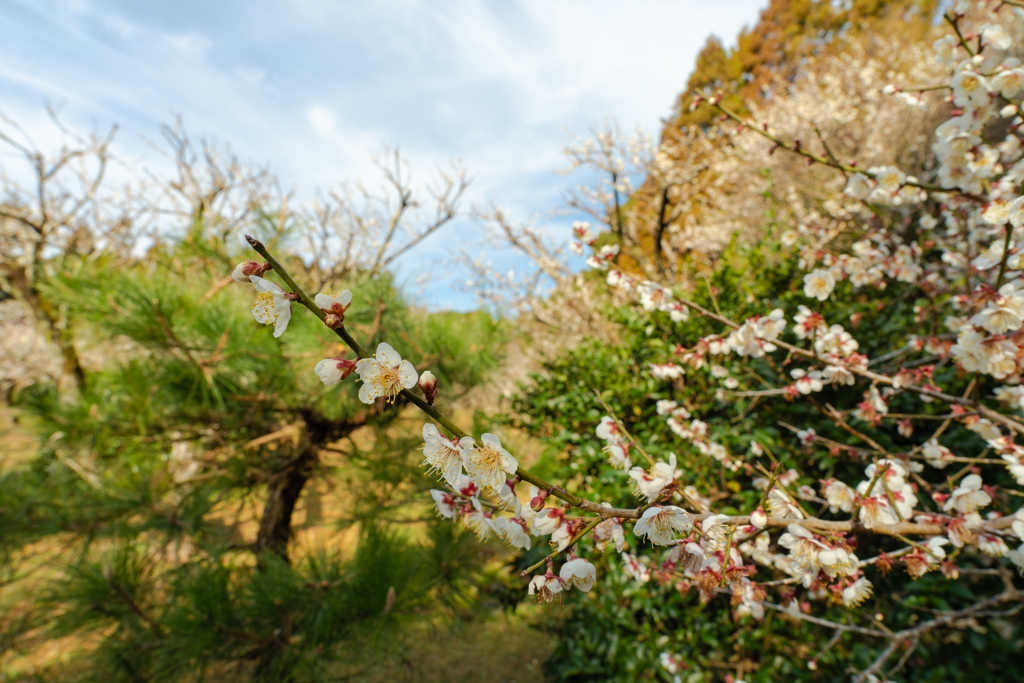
56, 210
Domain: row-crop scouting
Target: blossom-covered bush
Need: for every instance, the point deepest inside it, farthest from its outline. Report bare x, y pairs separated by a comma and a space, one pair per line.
836, 409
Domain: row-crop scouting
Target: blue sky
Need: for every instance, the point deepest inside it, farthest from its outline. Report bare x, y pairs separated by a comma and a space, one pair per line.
314, 87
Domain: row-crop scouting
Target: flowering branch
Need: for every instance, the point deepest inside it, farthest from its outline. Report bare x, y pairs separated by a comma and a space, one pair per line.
796, 148
304, 299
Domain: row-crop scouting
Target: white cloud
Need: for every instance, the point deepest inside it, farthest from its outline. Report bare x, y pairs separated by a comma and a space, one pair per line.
190, 45
314, 87
322, 119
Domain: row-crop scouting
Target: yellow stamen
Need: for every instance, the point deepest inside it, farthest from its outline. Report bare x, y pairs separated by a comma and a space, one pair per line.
264, 308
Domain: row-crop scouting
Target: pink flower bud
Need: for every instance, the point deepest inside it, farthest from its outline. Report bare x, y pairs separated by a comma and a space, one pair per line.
537, 502
758, 517
246, 268
428, 383
332, 321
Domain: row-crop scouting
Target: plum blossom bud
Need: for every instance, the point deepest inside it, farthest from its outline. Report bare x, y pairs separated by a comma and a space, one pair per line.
334, 370
537, 502
1008, 112
758, 517
428, 383
246, 268
333, 321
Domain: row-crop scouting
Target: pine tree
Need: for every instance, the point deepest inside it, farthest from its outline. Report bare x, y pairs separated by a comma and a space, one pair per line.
173, 468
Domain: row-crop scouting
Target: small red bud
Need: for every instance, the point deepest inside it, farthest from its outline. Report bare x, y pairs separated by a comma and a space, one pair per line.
428, 384
333, 321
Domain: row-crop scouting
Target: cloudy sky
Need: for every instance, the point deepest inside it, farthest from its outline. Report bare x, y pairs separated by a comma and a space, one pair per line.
314, 87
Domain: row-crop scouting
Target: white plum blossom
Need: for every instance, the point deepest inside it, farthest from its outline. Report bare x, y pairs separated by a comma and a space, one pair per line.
272, 307
578, 573
653, 296
995, 36
442, 455
489, 462
444, 502
635, 568
819, 284
969, 88
479, 521
611, 531
968, 497
859, 186
659, 524
836, 341
333, 302
807, 323
715, 533
384, 375
603, 258
650, 484
1003, 314
936, 455
804, 552
513, 531
546, 587
840, 497
781, 504
615, 443
857, 592
547, 521
331, 371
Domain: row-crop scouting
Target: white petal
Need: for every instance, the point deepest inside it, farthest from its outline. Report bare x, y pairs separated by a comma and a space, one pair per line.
265, 285
323, 301
387, 355
509, 463
366, 394
407, 375
328, 372
284, 316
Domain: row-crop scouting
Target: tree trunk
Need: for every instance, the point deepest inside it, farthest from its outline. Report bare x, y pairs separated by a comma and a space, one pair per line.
288, 482
282, 495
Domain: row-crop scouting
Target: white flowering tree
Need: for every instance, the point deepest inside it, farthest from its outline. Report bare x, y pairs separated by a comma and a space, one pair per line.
914, 422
